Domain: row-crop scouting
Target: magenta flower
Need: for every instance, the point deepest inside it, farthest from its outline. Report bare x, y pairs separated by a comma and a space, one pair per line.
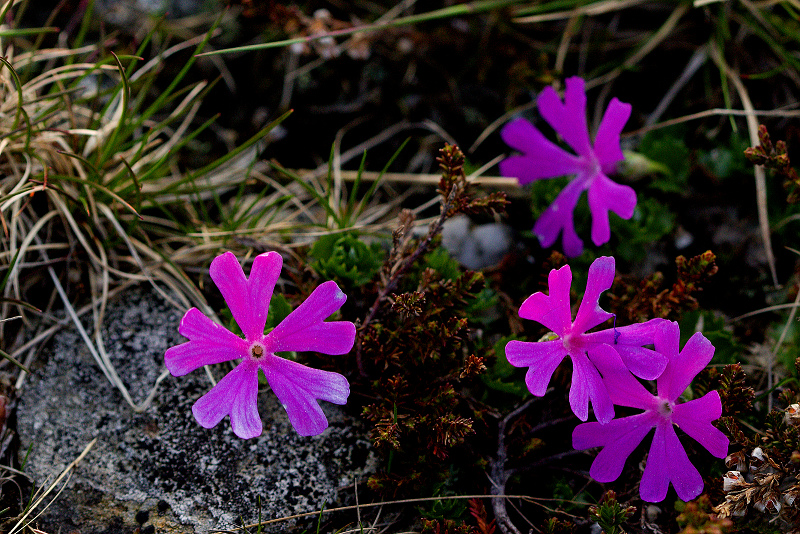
598, 357
667, 462
544, 159
296, 385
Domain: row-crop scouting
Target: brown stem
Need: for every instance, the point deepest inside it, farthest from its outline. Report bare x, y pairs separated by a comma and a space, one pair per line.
433, 230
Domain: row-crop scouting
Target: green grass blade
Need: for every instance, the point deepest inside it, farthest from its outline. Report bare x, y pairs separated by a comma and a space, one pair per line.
95, 185
20, 110
468, 8
160, 101
351, 201
8, 273
8, 357
238, 150
110, 146
322, 199
21, 32
362, 205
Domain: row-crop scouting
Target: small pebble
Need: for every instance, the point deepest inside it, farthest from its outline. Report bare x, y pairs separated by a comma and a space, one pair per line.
162, 506
149, 529
142, 516
476, 247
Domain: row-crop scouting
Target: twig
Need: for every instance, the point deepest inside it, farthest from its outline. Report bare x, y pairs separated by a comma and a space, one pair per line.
406, 264
500, 474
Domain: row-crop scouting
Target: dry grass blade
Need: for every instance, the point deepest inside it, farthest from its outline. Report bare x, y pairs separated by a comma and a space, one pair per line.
98, 352
468, 8
596, 8
758, 170
509, 185
712, 113
652, 42
385, 503
67, 472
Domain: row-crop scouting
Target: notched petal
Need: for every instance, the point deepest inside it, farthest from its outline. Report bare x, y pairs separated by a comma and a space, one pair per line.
590, 314
298, 387
307, 318
209, 343
541, 158
234, 395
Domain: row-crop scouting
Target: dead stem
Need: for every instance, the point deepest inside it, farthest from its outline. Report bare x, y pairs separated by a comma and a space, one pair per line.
398, 271
499, 473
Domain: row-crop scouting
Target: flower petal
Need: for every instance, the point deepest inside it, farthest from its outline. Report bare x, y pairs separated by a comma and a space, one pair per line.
541, 158
618, 438
635, 335
587, 385
601, 276
668, 462
623, 389
694, 418
606, 141
683, 366
297, 388
247, 299
605, 195
558, 217
209, 343
304, 329
552, 310
334, 337
644, 363
568, 118
542, 358
236, 394
628, 341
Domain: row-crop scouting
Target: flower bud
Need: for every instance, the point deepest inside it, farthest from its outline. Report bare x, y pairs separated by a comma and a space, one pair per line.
792, 415
757, 459
736, 461
769, 503
733, 480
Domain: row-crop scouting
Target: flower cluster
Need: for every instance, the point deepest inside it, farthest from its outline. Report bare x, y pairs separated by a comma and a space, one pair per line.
763, 484
606, 364
297, 387
541, 158
602, 363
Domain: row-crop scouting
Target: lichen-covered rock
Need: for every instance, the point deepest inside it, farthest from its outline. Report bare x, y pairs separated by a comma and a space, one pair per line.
208, 478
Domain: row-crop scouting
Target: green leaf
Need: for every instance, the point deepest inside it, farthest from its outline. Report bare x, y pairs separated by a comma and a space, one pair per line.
667, 148
346, 259
279, 309
440, 261
631, 238
500, 376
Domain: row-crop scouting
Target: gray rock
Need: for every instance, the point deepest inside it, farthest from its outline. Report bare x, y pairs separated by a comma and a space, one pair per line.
208, 478
476, 247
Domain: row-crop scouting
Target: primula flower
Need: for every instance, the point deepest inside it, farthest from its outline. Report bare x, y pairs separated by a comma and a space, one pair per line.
667, 462
542, 158
606, 352
296, 385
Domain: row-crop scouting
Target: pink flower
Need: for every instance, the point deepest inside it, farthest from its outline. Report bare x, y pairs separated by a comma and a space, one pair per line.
667, 462
544, 159
296, 385
598, 357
